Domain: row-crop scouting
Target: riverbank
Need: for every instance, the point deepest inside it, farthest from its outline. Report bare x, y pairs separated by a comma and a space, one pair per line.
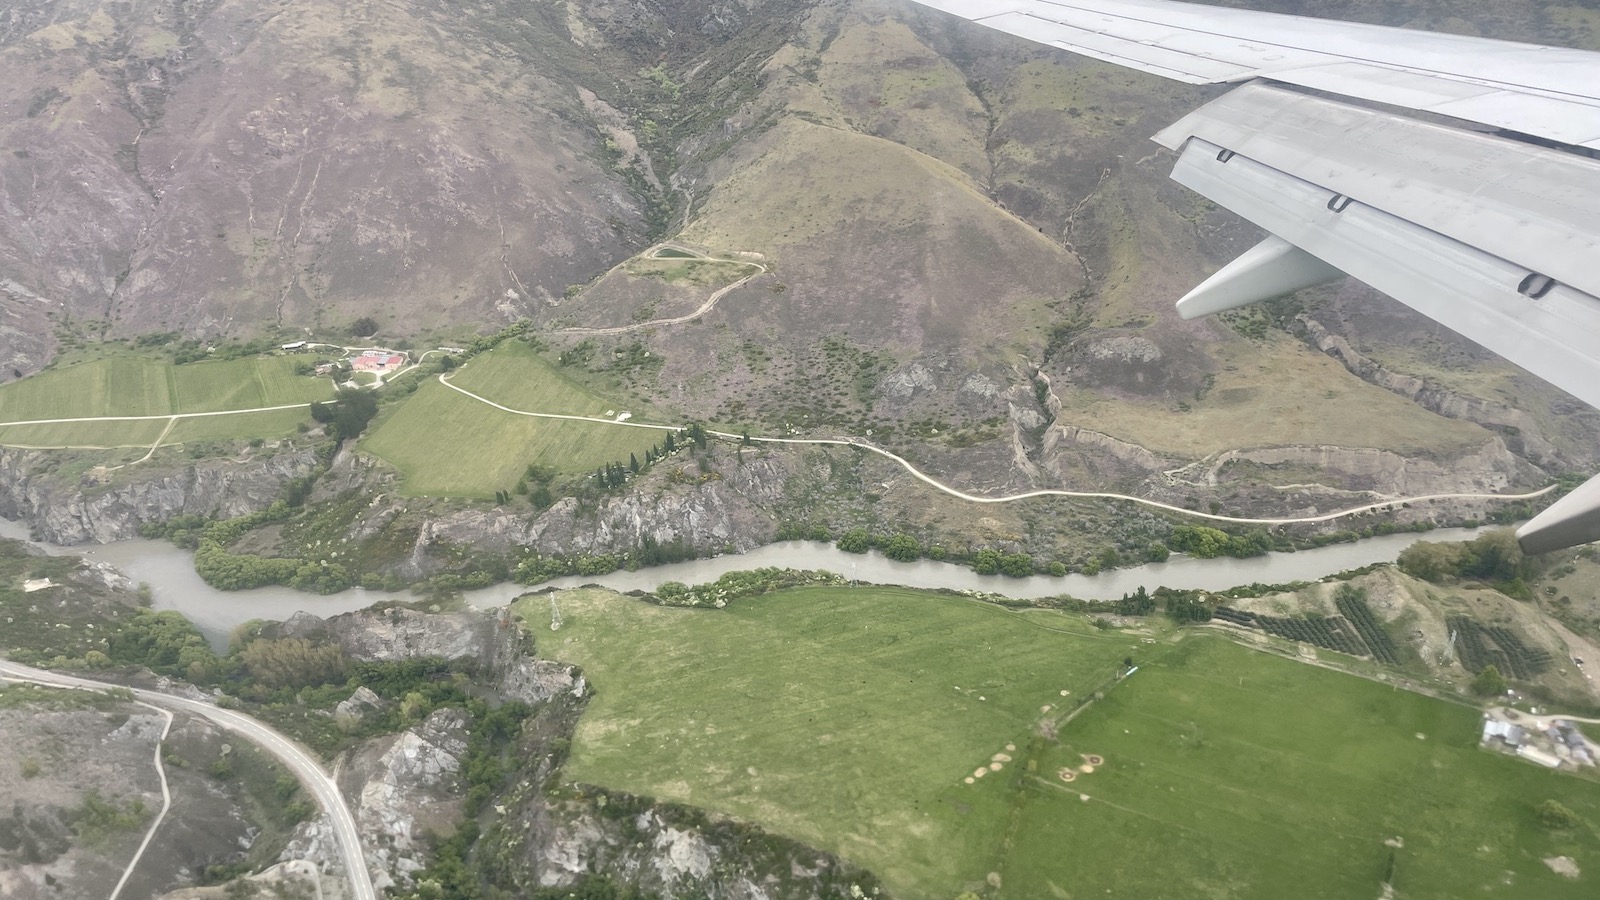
169, 571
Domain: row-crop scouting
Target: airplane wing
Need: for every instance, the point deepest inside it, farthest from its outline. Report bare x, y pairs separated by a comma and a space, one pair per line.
1459, 175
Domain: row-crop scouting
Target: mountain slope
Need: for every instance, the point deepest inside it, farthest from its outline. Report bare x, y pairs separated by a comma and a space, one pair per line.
215, 167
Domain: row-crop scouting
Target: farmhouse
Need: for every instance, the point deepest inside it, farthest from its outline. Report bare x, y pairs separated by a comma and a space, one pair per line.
295, 345
378, 361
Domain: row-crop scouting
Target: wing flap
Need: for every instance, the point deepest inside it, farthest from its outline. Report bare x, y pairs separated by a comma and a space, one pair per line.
1529, 205
1555, 335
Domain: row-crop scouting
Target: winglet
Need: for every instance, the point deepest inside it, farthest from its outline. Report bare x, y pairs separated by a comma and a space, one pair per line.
1570, 521
1270, 269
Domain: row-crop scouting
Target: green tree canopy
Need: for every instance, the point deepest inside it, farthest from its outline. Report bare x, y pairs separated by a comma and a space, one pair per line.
1489, 682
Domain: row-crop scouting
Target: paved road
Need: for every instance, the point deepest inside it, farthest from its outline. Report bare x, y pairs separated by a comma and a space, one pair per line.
297, 758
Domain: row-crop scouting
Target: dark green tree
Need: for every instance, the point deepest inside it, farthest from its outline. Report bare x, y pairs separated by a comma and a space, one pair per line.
856, 540
903, 547
1488, 682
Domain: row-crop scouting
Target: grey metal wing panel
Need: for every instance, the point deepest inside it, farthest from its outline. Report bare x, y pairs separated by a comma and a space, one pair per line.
1550, 92
1555, 336
1529, 205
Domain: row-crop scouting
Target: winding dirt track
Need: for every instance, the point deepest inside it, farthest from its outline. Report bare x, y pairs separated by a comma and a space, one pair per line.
166, 803
1012, 498
852, 442
710, 304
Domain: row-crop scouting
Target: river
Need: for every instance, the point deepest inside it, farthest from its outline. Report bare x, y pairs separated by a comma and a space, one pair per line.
174, 585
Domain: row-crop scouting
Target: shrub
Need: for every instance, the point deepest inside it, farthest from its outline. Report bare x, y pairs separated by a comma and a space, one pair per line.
856, 540
1488, 682
1553, 814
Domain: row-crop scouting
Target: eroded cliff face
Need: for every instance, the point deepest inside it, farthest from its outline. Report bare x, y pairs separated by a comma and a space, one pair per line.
728, 507
1434, 397
668, 851
99, 509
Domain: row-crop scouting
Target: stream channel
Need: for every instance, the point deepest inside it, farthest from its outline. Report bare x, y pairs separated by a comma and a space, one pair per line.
174, 585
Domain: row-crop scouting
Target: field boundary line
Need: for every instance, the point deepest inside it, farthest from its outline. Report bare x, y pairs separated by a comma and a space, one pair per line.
191, 415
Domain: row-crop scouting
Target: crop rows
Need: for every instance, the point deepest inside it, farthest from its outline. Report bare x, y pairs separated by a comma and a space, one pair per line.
1526, 662
1366, 624
1237, 617
1329, 632
1479, 646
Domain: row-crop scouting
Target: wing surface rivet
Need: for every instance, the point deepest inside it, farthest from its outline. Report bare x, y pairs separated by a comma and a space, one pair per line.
1535, 286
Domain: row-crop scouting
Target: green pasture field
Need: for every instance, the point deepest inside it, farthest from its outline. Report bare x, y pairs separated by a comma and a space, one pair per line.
451, 445
1234, 773
850, 718
142, 386
513, 375
244, 426
86, 435
845, 718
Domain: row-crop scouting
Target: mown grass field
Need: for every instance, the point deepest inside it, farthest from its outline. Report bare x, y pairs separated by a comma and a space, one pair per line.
850, 718
142, 386
240, 427
451, 445
87, 435
846, 718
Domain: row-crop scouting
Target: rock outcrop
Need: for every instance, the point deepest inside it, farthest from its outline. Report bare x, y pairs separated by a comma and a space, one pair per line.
1433, 397
404, 787
397, 633
712, 511
77, 511
675, 852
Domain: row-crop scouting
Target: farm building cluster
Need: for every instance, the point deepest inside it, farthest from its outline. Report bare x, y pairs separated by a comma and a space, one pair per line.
378, 361
1552, 743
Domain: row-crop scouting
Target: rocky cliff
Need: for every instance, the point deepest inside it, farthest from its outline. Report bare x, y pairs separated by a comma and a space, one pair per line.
89, 508
729, 505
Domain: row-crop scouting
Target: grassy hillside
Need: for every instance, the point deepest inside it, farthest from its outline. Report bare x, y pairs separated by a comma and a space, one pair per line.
1268, 393
1225, 772
448, 444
